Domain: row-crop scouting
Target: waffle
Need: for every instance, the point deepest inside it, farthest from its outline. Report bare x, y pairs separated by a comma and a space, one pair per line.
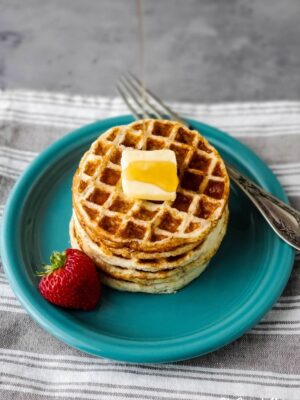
130, 274
164, 282
106, 261
129, 253
169, 285
111, 219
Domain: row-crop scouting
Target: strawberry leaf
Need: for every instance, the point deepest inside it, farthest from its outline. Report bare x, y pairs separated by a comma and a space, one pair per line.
57, 261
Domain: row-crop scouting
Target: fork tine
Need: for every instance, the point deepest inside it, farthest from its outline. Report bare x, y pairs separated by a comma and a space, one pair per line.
127, 102
153, 97
134, 97
138, 89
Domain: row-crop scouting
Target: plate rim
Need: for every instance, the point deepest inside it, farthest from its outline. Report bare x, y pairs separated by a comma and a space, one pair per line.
118, 348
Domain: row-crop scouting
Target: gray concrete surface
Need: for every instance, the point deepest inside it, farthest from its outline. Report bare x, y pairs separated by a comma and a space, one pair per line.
205, 50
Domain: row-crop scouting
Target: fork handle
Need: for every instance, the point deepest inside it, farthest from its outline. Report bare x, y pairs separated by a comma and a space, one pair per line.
284, 219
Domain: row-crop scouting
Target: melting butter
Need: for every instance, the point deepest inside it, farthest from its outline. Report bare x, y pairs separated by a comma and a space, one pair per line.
160, 173
149, 174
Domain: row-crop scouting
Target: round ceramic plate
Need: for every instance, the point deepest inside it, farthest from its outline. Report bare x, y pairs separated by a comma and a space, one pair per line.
240, 285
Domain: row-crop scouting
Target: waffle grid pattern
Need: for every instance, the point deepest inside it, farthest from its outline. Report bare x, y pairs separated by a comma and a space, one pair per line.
144, 225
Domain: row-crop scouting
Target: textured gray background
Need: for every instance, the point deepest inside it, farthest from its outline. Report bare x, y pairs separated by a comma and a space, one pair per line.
205, 50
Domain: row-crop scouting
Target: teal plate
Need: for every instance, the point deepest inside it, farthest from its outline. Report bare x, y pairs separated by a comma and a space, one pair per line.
240, 285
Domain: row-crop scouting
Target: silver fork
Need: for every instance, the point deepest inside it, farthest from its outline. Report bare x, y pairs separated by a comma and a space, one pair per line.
282, 218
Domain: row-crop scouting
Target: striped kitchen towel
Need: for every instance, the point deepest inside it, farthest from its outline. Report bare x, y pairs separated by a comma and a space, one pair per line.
263, 364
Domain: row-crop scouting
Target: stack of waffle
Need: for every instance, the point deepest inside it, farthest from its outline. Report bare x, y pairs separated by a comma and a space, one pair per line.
147, 246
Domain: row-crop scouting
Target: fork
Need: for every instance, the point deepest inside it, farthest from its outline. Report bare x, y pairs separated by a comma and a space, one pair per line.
283, 219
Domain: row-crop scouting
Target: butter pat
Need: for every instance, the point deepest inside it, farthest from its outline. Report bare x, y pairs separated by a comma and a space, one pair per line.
149, 175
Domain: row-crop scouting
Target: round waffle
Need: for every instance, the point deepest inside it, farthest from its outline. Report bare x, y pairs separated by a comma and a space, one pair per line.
169, 285
108, 261
168, 281
110, 218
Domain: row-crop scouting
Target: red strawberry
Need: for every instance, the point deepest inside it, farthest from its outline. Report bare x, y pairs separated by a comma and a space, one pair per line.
71, 280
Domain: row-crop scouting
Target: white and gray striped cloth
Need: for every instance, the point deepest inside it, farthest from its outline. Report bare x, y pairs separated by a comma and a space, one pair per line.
263, 364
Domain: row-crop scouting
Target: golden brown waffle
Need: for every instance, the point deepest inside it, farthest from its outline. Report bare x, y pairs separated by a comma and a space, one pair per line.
165, 281
107, 260
110, 218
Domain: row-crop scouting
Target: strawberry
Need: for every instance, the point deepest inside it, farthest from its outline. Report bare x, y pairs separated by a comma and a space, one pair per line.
71, 281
